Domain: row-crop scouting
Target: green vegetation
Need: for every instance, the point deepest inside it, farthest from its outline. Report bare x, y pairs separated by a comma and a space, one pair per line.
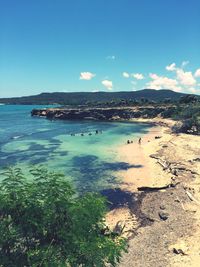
187, 114
44, 223
99, 98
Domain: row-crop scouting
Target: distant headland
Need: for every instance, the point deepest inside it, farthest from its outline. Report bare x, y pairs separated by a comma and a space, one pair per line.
96, 98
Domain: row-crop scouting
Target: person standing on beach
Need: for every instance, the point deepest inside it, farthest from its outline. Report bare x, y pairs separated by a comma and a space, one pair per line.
139, 141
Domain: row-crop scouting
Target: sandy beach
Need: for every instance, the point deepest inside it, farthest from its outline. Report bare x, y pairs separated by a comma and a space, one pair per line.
162, 159
143, 171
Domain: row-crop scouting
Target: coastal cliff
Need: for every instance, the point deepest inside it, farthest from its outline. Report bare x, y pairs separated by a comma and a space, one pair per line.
111, 114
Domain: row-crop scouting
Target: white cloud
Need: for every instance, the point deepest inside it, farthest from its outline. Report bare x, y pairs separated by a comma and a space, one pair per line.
86, 76
125, 74
184, 63
197, 73
138, 76
185, 77
162, 82
171, 67
108, 84
182, 80
111, 57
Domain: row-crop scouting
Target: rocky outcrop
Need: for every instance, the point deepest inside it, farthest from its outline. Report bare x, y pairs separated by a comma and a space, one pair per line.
112, 114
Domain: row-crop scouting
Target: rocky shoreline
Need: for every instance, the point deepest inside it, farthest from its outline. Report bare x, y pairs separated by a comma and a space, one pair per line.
109, 114
189, 126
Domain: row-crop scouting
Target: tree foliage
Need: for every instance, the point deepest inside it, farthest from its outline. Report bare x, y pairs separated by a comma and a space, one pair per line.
44, 223
95, 98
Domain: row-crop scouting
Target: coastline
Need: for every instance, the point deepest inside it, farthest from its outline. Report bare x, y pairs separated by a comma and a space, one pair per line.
140, 173
180, 231
143, 169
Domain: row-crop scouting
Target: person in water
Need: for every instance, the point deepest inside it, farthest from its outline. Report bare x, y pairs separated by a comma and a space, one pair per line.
139, 141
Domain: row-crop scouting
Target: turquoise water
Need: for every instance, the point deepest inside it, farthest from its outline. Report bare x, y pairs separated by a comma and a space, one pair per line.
89, 160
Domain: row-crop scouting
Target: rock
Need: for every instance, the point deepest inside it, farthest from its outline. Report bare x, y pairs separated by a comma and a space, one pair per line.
115, 118
174, 183
174, 172
119, 227
178, 251
197, 159
162, 207
164, 146
163, 215
154, 156
180, 248
43, 113
193, 172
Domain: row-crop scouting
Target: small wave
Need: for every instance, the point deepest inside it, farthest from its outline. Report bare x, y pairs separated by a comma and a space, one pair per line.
17, 136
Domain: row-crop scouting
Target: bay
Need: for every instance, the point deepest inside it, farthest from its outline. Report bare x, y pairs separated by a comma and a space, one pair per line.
71, 147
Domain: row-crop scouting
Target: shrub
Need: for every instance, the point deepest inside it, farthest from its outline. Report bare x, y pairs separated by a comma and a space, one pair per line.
44, 223
189, 126
168, 112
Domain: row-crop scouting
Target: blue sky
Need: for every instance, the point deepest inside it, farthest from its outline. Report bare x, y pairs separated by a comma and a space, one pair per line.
96, 45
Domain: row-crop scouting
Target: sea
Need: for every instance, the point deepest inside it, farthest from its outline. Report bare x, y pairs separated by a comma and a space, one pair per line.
85, 151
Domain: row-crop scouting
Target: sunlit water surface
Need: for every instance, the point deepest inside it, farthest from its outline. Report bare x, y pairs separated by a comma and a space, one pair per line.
89, 161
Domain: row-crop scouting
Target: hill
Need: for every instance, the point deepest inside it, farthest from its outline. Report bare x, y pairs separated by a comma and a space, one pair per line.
82, 98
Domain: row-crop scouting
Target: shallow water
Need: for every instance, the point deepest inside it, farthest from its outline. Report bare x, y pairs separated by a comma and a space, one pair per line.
89, 160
